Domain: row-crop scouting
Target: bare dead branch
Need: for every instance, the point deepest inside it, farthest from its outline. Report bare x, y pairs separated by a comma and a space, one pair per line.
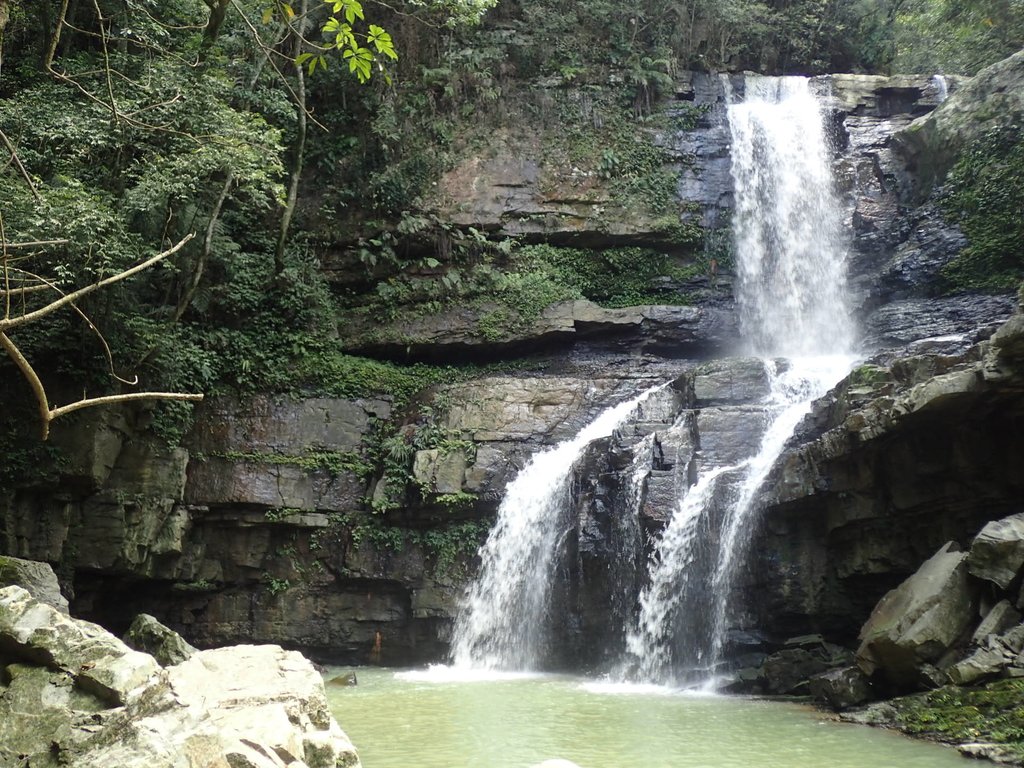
7, 271
88, 402
33, 380
36, 244
8, 323
17, 161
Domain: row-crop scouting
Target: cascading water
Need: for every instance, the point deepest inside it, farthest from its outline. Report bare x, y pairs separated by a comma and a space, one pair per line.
941, 88
500, 625
790, 242
791, 292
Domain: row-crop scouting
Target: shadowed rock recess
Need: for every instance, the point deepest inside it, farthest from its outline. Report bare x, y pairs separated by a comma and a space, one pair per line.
284, 520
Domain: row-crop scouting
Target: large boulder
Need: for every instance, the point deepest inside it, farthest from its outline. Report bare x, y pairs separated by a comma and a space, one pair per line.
97, 661
37, 578
162, 643
72, 694
997, 553
914, 625
253, 706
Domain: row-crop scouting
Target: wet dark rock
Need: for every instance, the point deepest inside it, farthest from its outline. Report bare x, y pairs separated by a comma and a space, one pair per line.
956, 321
842, 688
997, 553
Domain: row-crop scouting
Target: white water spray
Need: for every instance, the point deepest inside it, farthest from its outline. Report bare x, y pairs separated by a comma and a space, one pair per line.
501, 622
789, 237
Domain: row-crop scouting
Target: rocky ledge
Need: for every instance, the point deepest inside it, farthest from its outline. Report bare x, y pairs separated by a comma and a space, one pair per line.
73, 694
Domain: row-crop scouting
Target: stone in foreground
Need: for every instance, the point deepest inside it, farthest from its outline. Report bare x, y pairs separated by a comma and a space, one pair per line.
162, 643
73, 694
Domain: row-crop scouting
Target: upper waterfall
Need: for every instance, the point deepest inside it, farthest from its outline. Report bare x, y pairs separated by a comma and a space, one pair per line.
790, 250
790, 242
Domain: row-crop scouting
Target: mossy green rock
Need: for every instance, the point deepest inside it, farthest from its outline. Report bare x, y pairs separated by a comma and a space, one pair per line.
993, 100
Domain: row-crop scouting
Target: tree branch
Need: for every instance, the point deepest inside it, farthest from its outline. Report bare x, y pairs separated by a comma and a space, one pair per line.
17, 162
8, 323
33, 380
88, 402
204, 254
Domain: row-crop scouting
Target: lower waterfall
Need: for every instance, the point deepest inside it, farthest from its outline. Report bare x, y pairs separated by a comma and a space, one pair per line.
501, 624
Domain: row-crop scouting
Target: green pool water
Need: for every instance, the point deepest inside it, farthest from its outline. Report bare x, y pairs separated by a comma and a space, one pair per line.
437, 719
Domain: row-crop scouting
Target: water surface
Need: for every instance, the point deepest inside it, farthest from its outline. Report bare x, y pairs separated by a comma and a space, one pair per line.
441, 719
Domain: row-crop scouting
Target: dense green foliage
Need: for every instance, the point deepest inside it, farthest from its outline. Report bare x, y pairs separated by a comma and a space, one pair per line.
952, 36
985, 196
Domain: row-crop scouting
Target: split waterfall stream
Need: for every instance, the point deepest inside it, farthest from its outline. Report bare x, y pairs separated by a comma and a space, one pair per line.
494, 707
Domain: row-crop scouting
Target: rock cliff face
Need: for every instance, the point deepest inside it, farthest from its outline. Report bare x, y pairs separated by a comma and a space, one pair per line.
900, 460
261, 527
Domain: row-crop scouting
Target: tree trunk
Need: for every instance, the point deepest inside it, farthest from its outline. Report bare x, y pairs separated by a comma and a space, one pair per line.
300, 146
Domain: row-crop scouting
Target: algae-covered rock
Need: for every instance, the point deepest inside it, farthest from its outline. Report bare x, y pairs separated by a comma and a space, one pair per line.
162, 643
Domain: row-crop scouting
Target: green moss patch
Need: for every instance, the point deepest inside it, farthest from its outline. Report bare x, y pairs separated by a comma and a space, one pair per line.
985, 198
993, 713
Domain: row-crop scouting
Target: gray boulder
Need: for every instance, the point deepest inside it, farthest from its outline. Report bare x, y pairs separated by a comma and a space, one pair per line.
97, 661
1000, 618
37, 578
148, 635
842, 688
914, 625
254, 706
982, 664
997, 553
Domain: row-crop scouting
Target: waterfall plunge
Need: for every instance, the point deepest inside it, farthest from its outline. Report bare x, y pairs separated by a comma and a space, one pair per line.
792, 298
501, 623
791, 269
